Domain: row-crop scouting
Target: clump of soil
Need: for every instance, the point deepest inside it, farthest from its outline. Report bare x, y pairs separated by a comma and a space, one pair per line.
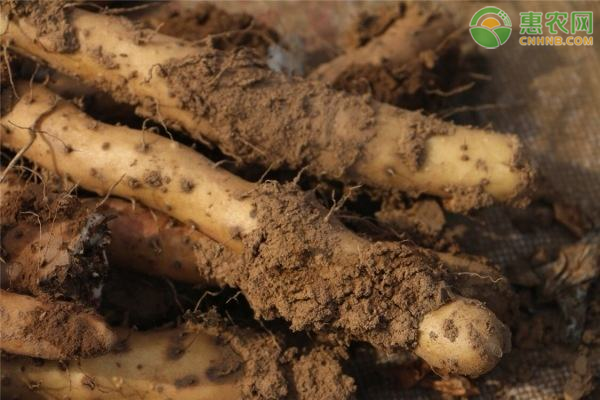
376, 292
318, 375
246, 135
52, 23
64, 325
270, 371
416, 85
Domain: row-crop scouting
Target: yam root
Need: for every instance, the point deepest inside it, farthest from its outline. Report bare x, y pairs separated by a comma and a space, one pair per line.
50, 330
216, 95
60, 254
299, 262
154, 244
404, 55
408, 30
191, 362
150, 243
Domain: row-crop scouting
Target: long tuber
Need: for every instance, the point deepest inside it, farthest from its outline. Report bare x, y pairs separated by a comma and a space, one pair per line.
50, 330
151, 243
235, 101
299, 261
195, 361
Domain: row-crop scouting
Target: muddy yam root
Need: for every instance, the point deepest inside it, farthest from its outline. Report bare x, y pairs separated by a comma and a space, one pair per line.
191, 362
298, 261
234, 100
412, 29
50, 330
63, 257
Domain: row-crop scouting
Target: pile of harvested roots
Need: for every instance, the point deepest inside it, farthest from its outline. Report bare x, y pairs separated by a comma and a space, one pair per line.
183, 219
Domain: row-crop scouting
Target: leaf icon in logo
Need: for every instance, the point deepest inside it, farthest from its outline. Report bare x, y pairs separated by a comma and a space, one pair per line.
503, 33
485, 37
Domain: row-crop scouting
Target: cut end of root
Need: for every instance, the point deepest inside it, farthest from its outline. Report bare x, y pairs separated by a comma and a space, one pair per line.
462, 337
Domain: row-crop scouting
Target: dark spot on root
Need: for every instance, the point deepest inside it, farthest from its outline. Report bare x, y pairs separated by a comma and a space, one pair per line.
186, 381
93, 172
88, 382
481, 164
464, 157
222, 369
235, 232
121, 347
433, 335
450, 330
133, 182
175, 352
186, 185
142, 147
105, 146
153, 178
450, 365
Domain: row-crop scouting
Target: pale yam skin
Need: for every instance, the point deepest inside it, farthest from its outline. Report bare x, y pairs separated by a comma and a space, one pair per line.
196, 361
462, 337
142, 369
114, 159
392, 157
22, 318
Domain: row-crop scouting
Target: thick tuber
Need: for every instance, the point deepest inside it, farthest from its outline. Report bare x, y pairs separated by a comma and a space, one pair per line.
196, 361
235, 101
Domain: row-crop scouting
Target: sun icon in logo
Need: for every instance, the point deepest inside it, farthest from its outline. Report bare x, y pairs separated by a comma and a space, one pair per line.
490, 27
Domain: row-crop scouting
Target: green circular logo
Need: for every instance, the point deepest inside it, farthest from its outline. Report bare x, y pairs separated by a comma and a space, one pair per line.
490, 27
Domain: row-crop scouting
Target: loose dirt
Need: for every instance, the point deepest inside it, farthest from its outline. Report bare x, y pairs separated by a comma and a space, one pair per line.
270, 371
377, 293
